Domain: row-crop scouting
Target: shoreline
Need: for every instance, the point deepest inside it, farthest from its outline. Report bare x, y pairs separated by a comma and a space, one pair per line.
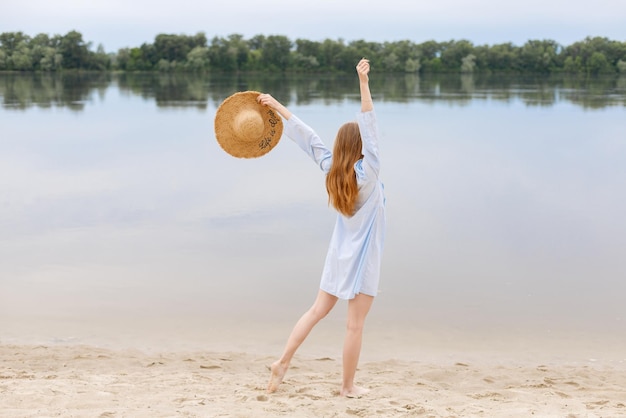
383, 337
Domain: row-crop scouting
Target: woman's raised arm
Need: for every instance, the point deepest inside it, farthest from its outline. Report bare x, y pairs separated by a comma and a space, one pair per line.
363, 69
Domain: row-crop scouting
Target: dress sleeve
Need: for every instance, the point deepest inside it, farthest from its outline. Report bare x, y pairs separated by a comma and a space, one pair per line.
309, 141
369, 137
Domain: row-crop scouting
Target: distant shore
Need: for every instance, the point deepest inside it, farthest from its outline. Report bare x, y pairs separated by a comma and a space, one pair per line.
593, 55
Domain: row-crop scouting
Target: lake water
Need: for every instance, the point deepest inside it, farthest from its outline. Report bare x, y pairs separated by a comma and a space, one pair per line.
119, 212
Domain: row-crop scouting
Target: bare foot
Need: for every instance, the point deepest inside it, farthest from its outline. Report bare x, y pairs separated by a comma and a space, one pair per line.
354, 392
278, 372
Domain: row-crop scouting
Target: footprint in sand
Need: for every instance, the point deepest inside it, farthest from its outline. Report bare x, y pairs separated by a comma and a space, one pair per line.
491, 395
594, 405
211, 367
155, 363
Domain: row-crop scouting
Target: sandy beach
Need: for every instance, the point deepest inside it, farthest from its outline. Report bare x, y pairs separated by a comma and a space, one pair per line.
74, 380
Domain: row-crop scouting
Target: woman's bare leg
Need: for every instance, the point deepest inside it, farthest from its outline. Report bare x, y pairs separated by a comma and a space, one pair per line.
321, 307
357, 311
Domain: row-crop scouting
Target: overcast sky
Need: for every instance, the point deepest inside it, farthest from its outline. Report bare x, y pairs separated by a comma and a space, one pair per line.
128, 23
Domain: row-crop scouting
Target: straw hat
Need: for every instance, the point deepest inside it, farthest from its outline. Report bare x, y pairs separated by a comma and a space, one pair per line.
245, 128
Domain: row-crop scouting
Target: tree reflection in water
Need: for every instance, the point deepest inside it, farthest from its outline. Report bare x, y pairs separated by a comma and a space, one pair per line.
74, 90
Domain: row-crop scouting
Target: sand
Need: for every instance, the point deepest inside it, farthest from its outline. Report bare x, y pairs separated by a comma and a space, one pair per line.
74, 380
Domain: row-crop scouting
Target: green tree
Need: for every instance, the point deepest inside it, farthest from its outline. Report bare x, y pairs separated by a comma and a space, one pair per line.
583, 51
307, 48
305, 63
171, 47
499, 57
21, 58
74, 51
134, 59
3, 60
240, 49
573, 65
122, 59
412, 65
16, 53
39, 45
256, 42
598, 64
397, 56
52, 60
198, 59
539, 56
164, 66
370, 50
305, 55
391, 63
469, 64
10, 40
347, 59
329, 54
100, 60
430, 51
255, 46
454, 53
221, 55
276, 52
434, 65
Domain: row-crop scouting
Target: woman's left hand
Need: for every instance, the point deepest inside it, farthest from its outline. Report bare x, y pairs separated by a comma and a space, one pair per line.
363, 69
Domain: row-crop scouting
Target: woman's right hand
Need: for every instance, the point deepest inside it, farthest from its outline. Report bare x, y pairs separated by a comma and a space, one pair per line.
267, 100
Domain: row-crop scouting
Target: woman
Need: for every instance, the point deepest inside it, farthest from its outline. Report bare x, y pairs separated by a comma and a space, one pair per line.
352, 268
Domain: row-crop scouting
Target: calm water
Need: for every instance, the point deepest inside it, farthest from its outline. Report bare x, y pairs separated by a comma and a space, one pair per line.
506, 202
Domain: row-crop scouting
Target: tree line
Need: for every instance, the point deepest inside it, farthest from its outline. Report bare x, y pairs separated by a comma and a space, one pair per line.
235, 53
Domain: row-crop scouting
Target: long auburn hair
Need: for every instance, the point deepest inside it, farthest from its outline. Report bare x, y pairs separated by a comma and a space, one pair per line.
341, 179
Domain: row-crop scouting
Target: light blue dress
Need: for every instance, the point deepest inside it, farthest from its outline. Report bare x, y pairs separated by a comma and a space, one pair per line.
353, 260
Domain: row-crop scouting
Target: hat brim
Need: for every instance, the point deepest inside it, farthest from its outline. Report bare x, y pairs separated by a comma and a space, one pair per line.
232, 141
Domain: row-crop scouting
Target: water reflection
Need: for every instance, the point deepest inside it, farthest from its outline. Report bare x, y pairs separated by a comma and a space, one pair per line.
21, 91
72, 90
505, 199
